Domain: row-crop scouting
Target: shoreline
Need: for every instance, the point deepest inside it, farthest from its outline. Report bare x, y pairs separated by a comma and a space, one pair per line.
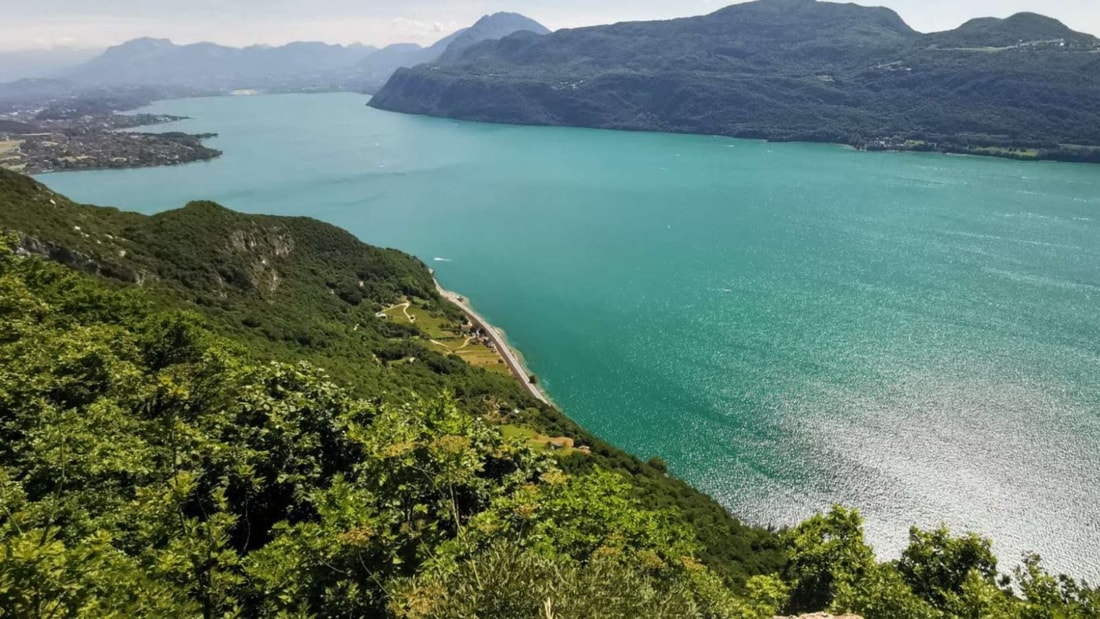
1094, 159
511, 357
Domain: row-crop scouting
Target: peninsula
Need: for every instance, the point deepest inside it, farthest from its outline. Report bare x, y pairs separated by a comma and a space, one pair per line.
91, 135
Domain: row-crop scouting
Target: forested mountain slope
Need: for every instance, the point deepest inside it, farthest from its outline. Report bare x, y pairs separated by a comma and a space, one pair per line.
1027, 86
199, 418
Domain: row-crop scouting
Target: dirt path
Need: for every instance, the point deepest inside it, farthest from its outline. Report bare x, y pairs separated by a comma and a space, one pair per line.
404, 308
464, 346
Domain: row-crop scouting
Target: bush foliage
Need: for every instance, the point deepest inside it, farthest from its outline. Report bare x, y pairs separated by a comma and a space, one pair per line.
158, 460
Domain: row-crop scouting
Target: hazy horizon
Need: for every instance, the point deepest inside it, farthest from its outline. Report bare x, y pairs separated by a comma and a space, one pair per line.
73, 24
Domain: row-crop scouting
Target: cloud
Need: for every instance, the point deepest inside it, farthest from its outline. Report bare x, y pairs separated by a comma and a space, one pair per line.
414, 30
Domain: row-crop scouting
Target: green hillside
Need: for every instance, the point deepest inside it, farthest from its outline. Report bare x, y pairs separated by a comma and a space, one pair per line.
292, 288
1026, 87
1022, 28
201, 415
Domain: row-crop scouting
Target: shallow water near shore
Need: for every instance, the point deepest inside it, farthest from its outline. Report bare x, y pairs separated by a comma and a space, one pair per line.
788, 325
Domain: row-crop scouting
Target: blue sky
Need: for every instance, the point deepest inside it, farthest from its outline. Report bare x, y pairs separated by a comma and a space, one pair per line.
99, 23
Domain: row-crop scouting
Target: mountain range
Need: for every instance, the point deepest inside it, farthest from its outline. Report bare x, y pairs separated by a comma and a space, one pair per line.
217, 67
1025, 86
296, 66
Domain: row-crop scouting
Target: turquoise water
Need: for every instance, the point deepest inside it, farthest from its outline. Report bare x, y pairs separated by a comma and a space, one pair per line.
789, 326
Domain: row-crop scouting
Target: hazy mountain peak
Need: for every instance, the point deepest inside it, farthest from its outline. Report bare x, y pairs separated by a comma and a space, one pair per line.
378, 67
209, 66
491, 27
144, 43
510, 20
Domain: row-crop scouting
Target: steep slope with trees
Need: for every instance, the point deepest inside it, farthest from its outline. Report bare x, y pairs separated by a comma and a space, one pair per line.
298, 290
158, 458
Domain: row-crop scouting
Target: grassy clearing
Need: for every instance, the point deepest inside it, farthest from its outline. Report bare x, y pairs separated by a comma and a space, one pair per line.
446, 335
538, 441
396, 312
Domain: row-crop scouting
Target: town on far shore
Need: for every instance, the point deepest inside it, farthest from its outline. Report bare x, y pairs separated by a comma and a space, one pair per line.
86, 132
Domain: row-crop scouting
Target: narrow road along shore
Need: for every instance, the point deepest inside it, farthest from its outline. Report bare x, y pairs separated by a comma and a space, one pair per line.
510, 357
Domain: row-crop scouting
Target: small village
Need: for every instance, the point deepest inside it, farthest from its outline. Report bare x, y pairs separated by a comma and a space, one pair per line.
36, 140
37, 154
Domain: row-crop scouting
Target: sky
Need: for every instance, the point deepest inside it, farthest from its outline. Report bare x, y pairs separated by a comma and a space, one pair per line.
38, 24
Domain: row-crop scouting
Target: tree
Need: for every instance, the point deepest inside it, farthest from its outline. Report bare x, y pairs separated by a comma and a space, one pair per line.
1054, 596
826, 552
936, 565
658, 463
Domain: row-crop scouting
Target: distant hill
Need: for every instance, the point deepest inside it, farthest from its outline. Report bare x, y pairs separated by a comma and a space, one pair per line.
376, 69
1020, 29
46, 94
41, 63
30, 88
216, 67
785, 70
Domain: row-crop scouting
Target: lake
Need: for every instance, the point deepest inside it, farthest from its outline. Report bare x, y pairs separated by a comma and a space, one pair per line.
788, 325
